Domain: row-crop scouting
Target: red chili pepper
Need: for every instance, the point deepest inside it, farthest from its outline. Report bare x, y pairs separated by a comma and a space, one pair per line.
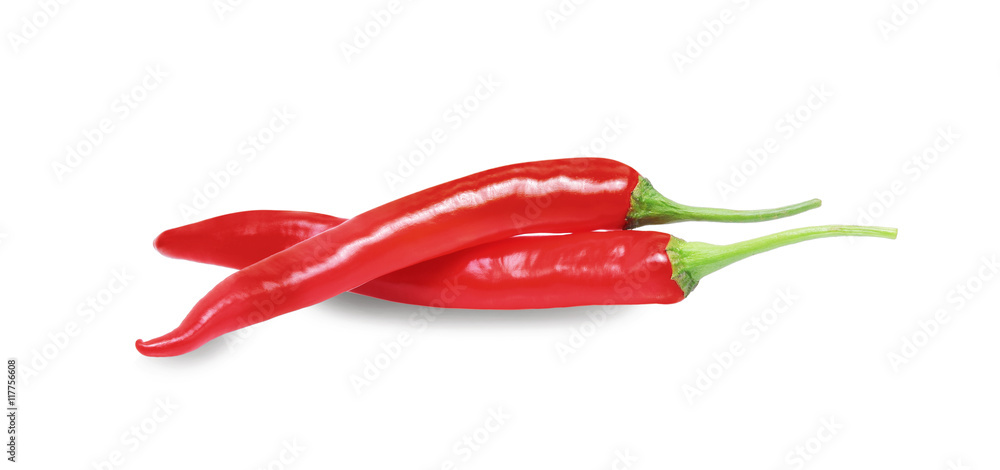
240, 239
555, 196
588, 268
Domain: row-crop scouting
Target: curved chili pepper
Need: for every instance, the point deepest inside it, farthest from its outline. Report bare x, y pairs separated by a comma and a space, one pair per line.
555, 196
588, 268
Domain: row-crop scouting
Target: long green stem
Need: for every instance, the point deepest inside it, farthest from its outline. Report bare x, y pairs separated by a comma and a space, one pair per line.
692, 261
650, 207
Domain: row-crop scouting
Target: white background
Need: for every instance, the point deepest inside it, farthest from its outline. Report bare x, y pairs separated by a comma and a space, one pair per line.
820, 378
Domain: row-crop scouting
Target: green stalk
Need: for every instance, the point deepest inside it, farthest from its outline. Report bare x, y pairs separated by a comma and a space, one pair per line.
692, 261
650, 207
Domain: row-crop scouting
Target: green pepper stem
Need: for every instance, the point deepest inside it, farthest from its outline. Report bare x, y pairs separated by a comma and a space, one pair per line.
692, 261
648, 207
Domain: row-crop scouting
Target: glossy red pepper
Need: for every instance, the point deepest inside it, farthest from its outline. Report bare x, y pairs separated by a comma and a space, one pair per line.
555, 196
240, 239
588, 268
